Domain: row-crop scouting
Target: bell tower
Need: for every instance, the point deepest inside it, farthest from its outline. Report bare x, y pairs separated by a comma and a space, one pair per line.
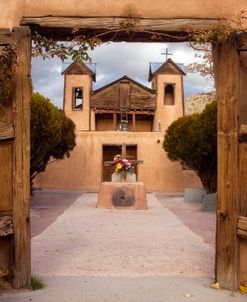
78, 78
167, 80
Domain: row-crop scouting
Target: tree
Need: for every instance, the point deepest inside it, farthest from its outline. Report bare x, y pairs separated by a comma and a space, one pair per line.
192, 141
205, 66
52, 134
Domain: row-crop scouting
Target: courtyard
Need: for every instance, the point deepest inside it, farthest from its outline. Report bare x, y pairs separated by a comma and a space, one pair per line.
82, 253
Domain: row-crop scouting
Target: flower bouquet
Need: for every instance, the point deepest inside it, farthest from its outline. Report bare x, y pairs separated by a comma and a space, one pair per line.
122, 166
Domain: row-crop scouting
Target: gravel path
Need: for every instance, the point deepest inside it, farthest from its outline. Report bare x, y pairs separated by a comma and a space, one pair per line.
100, 242
99, 255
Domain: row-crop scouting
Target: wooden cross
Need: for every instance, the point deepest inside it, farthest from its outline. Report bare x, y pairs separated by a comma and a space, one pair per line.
124, 151
167, 54
124, 156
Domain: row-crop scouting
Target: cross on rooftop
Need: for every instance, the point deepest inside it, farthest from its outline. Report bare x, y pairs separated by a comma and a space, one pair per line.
167, 54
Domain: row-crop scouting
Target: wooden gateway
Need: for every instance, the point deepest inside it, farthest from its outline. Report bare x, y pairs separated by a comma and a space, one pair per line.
15, 249
155, 17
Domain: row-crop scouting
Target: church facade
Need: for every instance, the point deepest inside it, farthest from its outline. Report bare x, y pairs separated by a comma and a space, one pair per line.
122, 112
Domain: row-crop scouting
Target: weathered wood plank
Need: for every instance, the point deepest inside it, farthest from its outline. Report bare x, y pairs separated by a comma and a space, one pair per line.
243, 179
243, 91
244, 218
6, 177
6, 226
109, 28
226, 61
21, 187
124, 94
242, 234
6, 130
171, 25
5, 37
114, 94
242, 227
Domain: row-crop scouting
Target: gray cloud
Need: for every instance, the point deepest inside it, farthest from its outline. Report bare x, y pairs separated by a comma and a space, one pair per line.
115, 60
47, 79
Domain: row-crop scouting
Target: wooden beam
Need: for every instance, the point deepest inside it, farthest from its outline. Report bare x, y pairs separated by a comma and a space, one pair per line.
111, 111
171, 25
5, 37
52, 25
6, 226
111, 163
242, 234
242, 227
243, 218
21, 181
226, 60
242, 223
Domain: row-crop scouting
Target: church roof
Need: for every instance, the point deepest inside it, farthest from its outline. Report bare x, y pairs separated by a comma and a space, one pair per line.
124, 92
79, 68
159, 68
118, 79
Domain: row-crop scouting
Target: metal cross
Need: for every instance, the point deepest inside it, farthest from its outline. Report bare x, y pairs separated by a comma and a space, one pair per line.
167, 54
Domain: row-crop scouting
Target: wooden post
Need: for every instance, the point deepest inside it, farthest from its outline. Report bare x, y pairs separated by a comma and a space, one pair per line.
226, 62
21, 154
114, 121
134, 122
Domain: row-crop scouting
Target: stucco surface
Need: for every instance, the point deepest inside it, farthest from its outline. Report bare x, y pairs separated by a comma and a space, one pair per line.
168, 113
80, 117
13, 10
83, 170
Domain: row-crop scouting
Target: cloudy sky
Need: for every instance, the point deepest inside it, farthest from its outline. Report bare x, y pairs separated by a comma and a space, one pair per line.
115, 60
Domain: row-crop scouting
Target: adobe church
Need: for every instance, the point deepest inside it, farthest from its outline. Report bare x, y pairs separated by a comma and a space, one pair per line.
122, 112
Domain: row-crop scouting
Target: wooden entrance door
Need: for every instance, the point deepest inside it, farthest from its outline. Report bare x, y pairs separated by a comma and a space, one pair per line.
109, 151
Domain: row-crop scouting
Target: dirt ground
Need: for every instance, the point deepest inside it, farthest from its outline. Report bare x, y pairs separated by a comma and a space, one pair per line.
201, 223
84, 254
86, 240
48, 205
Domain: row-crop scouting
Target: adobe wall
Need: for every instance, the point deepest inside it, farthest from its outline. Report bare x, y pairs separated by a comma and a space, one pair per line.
80, 117
168, 113
15, 9
77, 172
107, 125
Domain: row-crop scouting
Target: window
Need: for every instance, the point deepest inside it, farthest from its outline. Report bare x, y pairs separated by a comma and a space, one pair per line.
77, 102
169, 94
